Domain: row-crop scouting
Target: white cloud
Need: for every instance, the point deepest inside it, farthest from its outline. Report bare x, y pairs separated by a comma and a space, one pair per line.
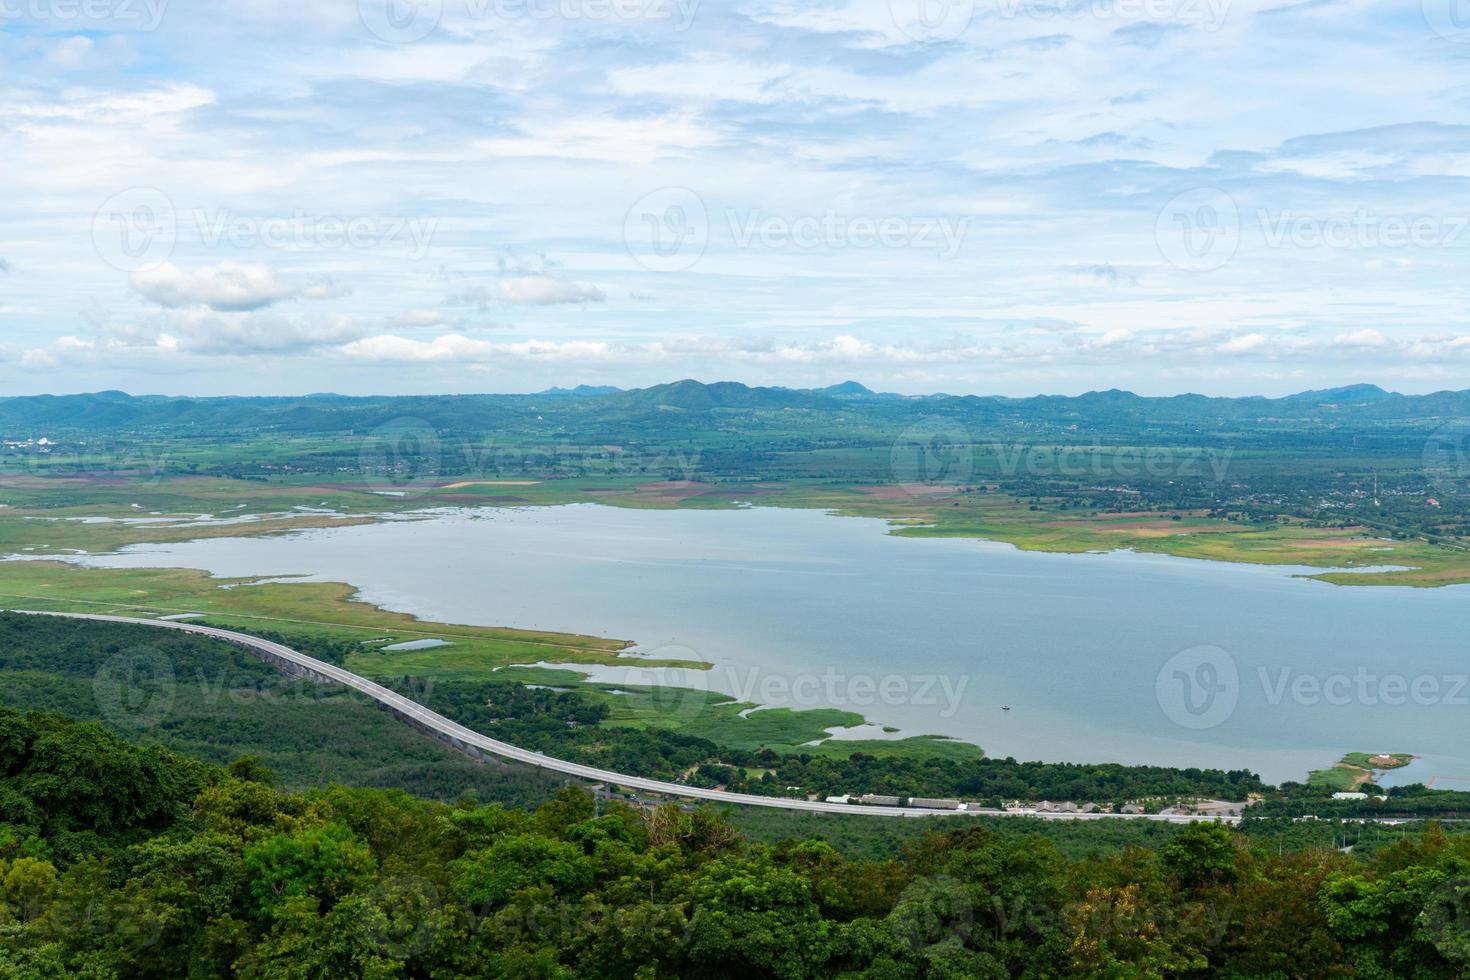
1060, 144
226, 287
1114, 338
391, 348
1243, 344
529, 289
415, 319
547, 291
70, 53
202, 331
843, 349
1367, 337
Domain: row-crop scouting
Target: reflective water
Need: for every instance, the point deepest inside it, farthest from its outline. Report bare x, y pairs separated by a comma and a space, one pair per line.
1117, 657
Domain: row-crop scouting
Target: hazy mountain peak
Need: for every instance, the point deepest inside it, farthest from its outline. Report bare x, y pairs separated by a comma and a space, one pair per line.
1344, 394
845, 388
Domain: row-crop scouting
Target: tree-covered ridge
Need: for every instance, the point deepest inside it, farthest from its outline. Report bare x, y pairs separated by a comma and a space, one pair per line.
138, 863
209, 700
564, 724
116, 411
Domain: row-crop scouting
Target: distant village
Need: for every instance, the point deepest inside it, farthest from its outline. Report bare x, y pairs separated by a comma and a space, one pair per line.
1203, 808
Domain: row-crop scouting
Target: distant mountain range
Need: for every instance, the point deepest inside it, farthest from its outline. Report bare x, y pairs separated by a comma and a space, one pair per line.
848, 403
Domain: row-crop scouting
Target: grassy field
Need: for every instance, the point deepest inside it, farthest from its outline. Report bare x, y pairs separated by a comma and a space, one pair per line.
947, 512
1354, 770
718, 718
304, 608
49, 515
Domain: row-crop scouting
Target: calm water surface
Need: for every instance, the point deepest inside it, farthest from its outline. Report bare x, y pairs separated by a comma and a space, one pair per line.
1118, 657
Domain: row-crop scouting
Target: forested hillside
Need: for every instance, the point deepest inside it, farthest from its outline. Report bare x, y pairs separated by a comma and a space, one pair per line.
118, 861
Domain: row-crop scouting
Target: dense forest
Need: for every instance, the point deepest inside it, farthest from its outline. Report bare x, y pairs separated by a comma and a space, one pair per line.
121, 861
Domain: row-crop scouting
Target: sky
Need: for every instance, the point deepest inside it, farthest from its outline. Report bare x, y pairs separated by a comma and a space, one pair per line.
994, 197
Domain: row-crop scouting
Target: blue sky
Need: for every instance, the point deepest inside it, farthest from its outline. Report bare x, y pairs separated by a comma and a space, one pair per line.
1007, 197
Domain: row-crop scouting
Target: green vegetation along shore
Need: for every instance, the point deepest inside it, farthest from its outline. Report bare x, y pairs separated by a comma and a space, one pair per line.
120, 861
1355, 770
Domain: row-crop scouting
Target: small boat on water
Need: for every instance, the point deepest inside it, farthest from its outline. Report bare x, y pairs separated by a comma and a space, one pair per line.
1005, 707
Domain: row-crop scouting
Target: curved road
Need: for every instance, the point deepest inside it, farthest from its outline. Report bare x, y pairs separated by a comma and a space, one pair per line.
474, 743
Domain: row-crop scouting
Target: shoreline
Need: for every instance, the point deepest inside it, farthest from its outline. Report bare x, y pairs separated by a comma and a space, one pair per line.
569, 644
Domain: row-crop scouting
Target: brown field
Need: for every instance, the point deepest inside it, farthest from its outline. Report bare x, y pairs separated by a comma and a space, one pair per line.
907, 491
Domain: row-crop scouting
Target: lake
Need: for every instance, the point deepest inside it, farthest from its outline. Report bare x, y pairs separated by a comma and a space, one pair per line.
1116, 657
